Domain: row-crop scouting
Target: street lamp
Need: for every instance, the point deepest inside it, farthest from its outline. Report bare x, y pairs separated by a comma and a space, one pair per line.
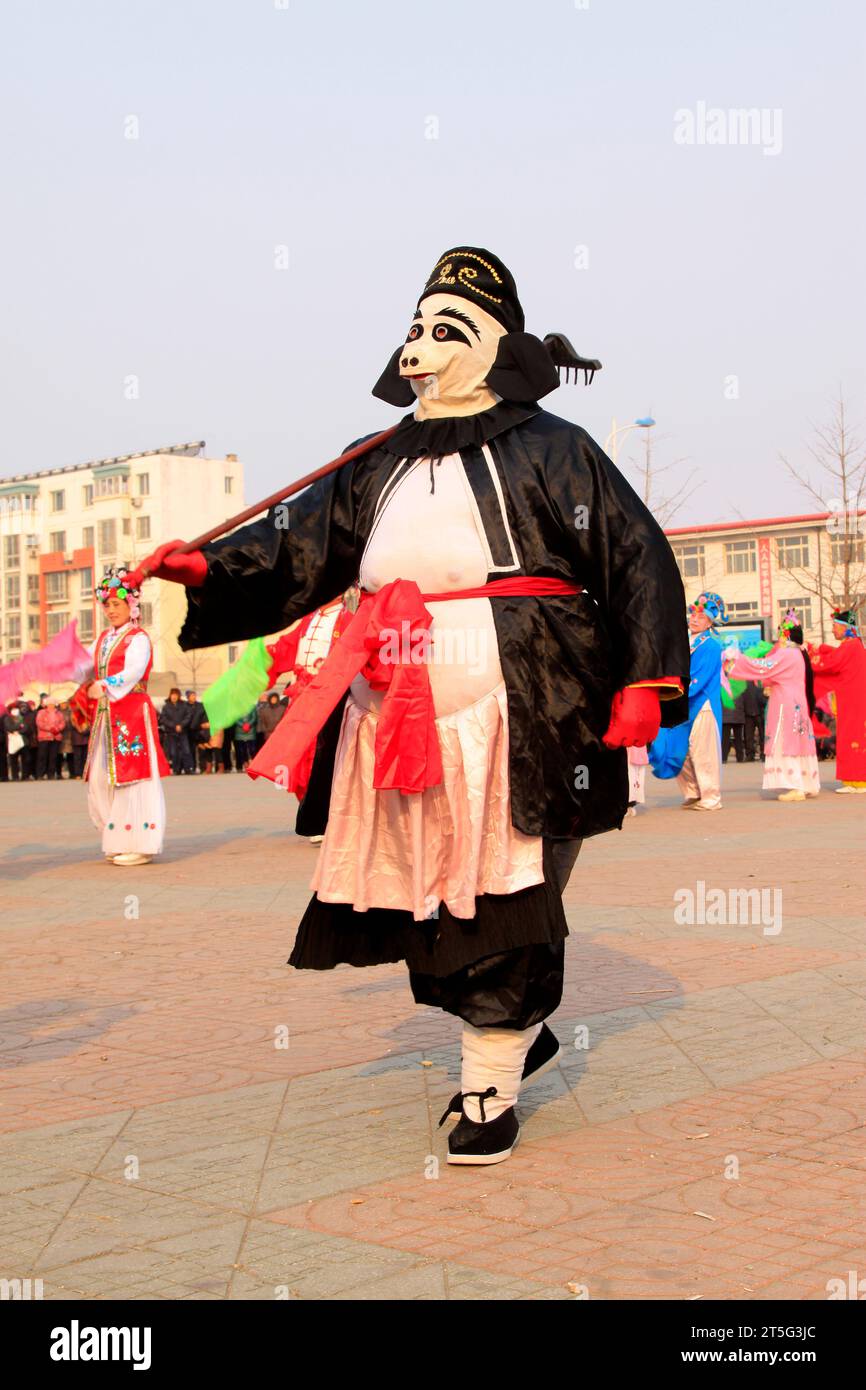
611, 447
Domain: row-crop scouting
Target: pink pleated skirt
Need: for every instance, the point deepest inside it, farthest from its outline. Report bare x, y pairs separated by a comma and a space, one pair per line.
450, 843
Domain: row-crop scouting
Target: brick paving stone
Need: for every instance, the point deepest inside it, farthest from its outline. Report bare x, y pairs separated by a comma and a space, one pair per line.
143, 1016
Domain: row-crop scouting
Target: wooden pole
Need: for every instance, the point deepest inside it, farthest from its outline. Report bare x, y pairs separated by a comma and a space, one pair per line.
284, 493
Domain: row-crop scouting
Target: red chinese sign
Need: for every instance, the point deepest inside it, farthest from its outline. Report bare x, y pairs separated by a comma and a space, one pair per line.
765, 576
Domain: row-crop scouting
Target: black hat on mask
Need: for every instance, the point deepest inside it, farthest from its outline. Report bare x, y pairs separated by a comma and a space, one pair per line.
479, 276
525, 368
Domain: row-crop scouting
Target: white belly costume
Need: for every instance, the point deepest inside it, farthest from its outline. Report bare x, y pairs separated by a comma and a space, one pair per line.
385, 849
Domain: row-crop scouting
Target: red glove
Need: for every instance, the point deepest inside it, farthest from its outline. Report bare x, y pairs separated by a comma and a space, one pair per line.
190, 569
635, 718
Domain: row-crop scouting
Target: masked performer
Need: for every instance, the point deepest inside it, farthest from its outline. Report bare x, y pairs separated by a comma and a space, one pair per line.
842, 670
125, 761
692, 752
517, 627
789, 742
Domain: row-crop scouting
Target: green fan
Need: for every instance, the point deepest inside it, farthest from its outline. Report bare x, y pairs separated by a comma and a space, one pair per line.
733, 689
237, 690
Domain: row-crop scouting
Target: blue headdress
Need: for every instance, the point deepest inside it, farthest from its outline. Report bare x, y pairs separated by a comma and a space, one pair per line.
711, 604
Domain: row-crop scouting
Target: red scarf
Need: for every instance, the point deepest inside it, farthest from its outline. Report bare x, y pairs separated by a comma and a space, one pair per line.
407, 756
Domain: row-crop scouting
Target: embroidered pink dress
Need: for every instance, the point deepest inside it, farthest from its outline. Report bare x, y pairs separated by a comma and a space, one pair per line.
451, 843
789, 744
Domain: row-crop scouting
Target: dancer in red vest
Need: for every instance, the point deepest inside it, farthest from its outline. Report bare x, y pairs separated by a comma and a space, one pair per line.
124, 761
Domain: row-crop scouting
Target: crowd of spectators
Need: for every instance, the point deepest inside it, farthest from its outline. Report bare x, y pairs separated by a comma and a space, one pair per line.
40, 742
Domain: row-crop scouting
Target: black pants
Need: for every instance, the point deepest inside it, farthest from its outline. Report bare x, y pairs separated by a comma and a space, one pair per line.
735, 732
513, 989
17, 765
79, 758
178, 753
245, 749
754, 737
46, 759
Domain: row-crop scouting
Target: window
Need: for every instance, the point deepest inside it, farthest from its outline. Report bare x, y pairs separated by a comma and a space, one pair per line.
58, 500
85, 624
57, 540
112, 486
56, 623
844, 550
741, 557
20, 503
108, 537
146, 614
740, 612
801, 606
792, 552
125, 526
13, 591
690, 559
33, 543
13, 632
87, 538
228, 482
34, 632
12, 551
85, 577
88, 494
33, 588
142, 528
144, 484
57, 587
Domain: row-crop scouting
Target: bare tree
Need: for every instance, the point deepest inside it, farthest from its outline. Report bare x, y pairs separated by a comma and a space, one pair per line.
663, 507
190, 663
839, 488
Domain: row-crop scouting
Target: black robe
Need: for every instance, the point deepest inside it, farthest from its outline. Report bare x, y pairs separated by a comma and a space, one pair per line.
552, 504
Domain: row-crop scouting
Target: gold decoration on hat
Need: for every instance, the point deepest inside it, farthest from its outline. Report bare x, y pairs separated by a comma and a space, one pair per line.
465, 275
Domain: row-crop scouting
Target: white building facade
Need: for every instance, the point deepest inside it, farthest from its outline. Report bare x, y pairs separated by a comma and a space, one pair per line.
763, 567
59, 530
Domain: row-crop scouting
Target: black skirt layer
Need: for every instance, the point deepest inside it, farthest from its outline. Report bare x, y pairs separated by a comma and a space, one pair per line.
332, 934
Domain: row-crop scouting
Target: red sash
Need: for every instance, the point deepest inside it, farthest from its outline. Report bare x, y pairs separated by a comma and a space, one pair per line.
407, 747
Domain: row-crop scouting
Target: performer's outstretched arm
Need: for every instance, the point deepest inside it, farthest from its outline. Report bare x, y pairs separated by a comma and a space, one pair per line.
622, 557
262, 577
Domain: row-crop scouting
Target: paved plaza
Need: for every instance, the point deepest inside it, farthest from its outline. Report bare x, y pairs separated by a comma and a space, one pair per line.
183, 1116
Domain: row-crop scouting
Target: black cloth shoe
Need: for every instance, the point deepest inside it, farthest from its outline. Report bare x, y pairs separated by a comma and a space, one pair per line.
544, 1053
491, 1141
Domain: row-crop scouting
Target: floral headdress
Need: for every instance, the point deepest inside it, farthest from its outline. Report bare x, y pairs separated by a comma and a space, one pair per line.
790, 620
711, 604
113, 584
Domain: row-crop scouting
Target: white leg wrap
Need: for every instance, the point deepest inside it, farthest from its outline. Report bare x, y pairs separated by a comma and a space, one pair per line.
494, 1057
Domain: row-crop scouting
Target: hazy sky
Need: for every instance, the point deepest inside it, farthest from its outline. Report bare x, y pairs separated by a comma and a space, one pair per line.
307, 125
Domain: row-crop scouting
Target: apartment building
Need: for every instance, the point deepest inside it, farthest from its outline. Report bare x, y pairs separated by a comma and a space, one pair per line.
763, 567
60, 528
